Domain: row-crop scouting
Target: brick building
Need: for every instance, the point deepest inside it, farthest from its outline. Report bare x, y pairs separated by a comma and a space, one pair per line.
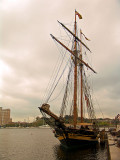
4, 116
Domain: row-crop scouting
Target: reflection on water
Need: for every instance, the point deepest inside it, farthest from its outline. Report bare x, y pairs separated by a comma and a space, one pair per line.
95, 153
40, 144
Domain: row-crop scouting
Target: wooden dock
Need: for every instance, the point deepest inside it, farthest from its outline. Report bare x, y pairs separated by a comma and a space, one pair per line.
114, 150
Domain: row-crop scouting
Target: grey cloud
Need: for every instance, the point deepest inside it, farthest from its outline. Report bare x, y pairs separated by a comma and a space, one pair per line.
30, 54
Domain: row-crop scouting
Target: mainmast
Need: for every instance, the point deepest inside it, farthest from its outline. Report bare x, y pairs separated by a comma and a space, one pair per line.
81, 70
75, 79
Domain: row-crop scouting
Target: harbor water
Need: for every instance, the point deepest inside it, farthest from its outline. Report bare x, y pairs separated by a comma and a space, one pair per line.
40, 144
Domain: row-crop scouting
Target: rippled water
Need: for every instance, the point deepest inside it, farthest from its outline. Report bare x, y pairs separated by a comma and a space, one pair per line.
40, 144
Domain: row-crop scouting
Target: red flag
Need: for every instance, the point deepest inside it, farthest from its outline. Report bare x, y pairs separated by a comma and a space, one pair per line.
76, 13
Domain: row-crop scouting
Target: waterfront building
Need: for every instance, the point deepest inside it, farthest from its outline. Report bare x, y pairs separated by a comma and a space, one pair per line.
5, 116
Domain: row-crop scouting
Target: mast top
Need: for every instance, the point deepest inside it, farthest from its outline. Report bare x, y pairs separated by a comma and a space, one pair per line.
78, 14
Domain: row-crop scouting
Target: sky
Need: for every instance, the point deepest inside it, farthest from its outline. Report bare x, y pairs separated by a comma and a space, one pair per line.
28, 54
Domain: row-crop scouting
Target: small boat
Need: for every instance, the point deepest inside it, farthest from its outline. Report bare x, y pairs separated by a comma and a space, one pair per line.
44, 126
74, 131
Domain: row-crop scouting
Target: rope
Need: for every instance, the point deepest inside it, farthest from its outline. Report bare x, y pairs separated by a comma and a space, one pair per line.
57, 71
56, 84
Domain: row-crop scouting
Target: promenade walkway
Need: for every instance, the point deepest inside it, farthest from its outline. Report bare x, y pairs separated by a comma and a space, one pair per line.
114, 150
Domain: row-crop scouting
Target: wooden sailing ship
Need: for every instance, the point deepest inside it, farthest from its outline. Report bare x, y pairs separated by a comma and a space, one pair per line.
76, 132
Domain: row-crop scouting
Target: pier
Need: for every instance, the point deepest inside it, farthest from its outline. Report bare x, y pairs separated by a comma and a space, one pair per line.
114, 150
112, 142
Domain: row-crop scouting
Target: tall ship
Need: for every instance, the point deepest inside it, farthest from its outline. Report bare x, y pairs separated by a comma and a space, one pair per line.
71, 127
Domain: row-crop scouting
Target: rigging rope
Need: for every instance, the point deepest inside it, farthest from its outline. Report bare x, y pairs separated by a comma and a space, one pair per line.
57, 71
56, 83
65, 94
52, 77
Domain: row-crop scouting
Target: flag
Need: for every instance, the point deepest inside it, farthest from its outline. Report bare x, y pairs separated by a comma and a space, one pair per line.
87, 39
76, 13
84, 35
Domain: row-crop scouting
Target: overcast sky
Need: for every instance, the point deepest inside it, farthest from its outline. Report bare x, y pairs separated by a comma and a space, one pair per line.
27, 52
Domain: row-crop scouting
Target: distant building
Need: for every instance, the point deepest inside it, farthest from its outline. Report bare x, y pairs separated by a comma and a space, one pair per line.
5, 116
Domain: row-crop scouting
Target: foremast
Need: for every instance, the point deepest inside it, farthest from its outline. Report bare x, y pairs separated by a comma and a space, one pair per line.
75, 75
75, 79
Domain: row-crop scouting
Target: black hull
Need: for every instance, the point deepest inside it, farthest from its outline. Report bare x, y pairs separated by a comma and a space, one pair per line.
76, 138
74, 143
